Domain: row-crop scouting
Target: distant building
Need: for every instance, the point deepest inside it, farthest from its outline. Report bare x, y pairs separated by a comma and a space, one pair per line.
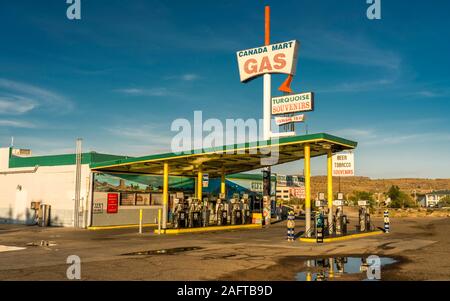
290, 187
432, 199
283, 193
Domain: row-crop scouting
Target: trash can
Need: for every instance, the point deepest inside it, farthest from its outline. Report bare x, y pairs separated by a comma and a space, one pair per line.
44, 215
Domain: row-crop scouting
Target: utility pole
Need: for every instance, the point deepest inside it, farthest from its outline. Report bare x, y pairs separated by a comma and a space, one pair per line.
78, 158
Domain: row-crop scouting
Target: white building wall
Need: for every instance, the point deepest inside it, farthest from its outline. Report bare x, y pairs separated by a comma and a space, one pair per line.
4, 158
52, 185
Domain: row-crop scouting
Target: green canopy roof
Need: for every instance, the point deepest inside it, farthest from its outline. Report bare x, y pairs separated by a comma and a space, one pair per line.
231, 159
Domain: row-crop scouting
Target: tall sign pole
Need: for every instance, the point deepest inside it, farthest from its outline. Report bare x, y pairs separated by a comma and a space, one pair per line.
267, 88
267, 116
279, 58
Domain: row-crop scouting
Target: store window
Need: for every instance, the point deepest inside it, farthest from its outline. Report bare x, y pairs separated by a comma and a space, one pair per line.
139, 190
140, 199
157, 199
143, 199
127, 199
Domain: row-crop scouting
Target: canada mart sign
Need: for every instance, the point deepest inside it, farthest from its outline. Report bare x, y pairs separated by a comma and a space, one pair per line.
276, 58
303, 102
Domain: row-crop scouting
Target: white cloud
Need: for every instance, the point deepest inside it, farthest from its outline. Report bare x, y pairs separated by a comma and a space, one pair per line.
352, 49
190, 77
356, 133
16, 124
141, 133
158, 92
379, 137
187, 77
16, 105
139, 140
400, 138
429, 94
359, 86
20, 98
349, 48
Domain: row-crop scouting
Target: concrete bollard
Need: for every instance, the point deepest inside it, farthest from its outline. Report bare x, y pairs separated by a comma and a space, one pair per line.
159, 221
291, 227
140, 221
386, 221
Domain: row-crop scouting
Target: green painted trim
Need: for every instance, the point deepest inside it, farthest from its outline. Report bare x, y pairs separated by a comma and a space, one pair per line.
60, 160
286, 140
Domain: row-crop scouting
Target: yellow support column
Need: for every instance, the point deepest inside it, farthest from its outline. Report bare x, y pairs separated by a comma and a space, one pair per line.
223, 185
159, 221
200, 184
195, 186
330, 190
308, 189
331, 273
140, 221
165, 195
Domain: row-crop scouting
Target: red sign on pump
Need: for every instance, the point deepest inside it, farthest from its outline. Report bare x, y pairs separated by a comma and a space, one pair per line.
113, 203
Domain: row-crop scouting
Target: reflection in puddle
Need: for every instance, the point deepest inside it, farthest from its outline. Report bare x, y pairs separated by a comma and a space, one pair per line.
329, 268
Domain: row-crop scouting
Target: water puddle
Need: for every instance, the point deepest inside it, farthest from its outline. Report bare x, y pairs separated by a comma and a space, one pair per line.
322, 269
173, 251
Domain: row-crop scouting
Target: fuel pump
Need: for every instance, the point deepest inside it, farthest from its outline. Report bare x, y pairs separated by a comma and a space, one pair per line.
246, 217
206, 212
320, 227
236, 210
340, 220
195, 212
364, 216
180, 211
322, 206
221, 212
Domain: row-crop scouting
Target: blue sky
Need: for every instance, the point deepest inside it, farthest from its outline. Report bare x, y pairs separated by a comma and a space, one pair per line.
120, 76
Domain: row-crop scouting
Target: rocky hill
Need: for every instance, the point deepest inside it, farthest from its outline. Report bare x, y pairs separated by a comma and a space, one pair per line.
350, 184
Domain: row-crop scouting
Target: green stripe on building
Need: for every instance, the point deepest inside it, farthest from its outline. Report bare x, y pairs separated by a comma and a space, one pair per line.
59, 160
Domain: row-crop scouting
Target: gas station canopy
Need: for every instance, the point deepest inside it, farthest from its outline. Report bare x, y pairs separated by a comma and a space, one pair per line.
229, 159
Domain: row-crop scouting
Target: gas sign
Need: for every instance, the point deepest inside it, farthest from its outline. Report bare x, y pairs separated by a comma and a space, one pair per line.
276, 58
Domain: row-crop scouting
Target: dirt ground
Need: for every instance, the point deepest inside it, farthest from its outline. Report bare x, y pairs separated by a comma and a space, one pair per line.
420, 246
